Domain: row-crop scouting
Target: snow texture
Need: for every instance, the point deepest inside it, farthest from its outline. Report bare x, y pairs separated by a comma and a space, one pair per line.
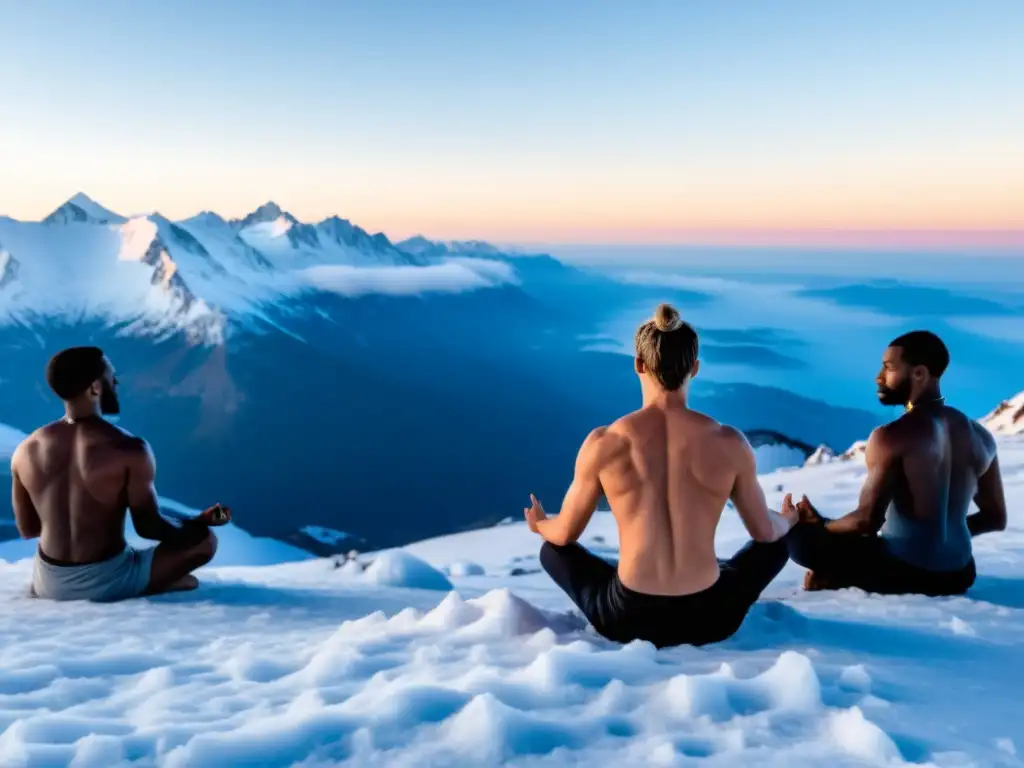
305, 663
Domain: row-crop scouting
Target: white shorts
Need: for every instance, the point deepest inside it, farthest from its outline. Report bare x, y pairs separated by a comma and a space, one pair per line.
123, 576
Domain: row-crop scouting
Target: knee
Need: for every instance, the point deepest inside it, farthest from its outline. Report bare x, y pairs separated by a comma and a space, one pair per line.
551, 555
547, 555
798, 540
205, 549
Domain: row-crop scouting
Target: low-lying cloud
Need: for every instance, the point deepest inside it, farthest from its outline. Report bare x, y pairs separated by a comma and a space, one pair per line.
452, 276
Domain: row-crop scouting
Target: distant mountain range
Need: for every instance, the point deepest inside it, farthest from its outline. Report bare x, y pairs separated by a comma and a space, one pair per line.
314, 374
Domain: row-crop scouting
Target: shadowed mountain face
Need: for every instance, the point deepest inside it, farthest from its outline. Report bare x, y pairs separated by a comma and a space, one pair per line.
395, 419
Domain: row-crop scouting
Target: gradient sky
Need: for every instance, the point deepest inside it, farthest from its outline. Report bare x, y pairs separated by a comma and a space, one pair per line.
528, 121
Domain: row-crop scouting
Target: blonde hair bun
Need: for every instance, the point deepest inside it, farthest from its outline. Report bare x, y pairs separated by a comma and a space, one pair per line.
667, 319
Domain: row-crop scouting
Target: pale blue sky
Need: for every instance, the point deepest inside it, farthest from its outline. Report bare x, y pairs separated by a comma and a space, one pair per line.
571, 121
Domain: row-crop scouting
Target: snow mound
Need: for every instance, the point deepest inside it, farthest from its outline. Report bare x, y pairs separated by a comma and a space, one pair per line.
249, 675
461, 568
1007, 418
400, 569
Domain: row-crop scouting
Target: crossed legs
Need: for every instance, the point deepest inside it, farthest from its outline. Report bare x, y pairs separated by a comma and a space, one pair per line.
173, 564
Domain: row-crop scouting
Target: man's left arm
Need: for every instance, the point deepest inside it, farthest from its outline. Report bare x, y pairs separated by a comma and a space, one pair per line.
582, 497
26, 517
876, 494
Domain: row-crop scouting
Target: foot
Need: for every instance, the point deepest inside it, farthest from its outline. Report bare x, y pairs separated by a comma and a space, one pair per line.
184, 584
815, 583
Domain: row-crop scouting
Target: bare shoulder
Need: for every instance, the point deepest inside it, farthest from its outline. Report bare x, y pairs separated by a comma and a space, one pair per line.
135, 447
734, 449
29, 448
983, 438
133, 451
732, 439
889, 438
605, 441
23, 451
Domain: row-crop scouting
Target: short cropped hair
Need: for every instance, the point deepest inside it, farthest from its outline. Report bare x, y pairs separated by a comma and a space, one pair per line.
668, 347
72, 371
924, 348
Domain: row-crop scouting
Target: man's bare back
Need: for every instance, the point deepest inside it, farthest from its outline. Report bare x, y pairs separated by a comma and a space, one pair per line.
77, 477
911, 531
667, 472
75, 480
668, 475
938, 457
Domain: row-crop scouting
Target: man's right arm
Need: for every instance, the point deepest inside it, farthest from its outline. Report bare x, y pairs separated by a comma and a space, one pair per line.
762, 523
26, 517
142, 499
990, 497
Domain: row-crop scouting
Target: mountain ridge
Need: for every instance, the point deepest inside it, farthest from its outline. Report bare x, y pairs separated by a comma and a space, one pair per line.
208, 274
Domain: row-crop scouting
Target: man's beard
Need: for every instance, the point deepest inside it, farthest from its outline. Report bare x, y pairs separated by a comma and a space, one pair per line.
898, 396
109, 404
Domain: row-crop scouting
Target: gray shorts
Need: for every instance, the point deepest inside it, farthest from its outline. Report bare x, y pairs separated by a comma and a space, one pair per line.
122, 576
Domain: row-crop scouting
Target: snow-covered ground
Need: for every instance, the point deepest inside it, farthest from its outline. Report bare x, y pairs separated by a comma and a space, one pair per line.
308, 664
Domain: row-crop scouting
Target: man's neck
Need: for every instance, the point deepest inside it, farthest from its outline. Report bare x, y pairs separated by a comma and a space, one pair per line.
662, 398
930, 396
80, 412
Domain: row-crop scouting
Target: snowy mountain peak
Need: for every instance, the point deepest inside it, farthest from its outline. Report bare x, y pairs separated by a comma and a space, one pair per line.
822, 455
206, 218
171, 303
269, 212
473, 246
204, 276
1007, 418
9, 268
84, 210
141, 241
418, 244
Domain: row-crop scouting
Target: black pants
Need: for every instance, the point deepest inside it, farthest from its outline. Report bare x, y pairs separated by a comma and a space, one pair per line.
622, 615
842, 560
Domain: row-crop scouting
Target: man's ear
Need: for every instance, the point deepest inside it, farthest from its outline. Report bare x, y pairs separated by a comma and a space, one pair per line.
638, 366
696, 367
96, 388
920, 374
